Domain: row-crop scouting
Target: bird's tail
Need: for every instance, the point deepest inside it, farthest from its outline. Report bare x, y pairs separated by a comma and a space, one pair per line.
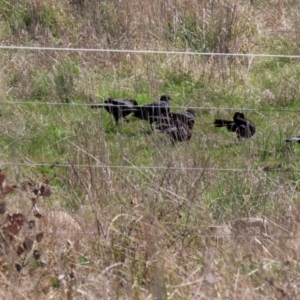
222, 123
293, 139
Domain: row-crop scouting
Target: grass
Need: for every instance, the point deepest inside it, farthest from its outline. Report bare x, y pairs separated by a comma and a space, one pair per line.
151, 215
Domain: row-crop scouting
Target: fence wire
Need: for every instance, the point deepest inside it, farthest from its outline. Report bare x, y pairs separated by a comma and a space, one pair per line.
68, 165
17, 102
144, 51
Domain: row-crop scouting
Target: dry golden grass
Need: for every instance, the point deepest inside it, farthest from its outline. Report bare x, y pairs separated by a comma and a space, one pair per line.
170, 222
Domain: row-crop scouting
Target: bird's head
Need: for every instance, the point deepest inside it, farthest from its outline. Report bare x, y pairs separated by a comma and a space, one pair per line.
108, 100
134, 102
165, 98
192, 111
238, 115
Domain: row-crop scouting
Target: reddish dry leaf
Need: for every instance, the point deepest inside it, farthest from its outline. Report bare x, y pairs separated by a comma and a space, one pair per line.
39, 237
4, 187
26, 246
37, 213
11, 229
39, 189
46, 289
36, 191
28, 243
2, 180
45, 191
20, 250
18, 267
16, 221
2, 207
36, 254
9, 189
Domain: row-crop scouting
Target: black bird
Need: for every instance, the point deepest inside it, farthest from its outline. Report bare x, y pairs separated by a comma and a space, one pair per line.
178, 125
152, 111
293, 139
119, 108
187, 118
243, 127
177, 130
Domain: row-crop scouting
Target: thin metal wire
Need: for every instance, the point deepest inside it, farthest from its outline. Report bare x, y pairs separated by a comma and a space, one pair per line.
142, 51
216, 236
177, 106
11, 47
146, 167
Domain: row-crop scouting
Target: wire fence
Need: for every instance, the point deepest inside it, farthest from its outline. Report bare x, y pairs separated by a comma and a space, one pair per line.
234, 235
143, 51
158, 52
69, 165
18, 102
